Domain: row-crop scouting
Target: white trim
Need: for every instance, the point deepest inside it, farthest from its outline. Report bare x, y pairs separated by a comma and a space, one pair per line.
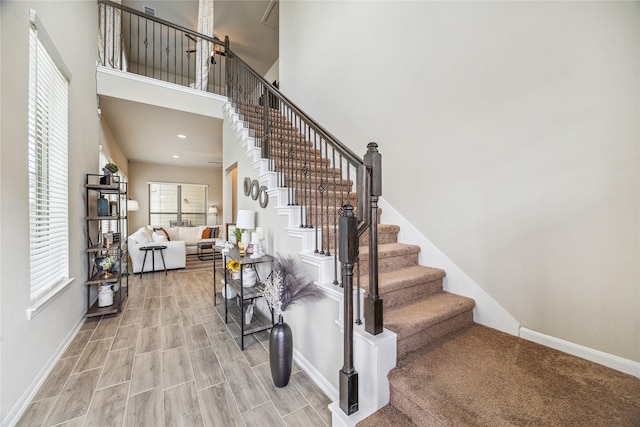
48, 45
160, 83
600, 357
487, 311
23, 402
315, 375
39, 304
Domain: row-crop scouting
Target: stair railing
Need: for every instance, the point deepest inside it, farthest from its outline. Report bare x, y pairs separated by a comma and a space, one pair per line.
133, 41
317, 171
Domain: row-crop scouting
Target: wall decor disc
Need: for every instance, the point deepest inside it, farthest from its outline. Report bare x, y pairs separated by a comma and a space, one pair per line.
264, 197
247, 186
255, 189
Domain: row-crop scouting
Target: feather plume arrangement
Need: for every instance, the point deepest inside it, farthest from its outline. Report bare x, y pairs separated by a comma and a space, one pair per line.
292, 284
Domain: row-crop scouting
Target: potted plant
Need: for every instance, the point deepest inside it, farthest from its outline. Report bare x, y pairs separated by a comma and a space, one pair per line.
285, 287
108, 169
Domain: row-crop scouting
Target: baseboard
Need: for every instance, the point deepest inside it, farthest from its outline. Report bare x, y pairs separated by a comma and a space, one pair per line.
600, 357
21, 405
315, 375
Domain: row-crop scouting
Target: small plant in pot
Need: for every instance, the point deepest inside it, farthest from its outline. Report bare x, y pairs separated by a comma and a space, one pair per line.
108, 169
285, 287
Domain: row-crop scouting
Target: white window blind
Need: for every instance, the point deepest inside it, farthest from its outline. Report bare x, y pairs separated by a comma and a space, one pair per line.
48, 164
177, 204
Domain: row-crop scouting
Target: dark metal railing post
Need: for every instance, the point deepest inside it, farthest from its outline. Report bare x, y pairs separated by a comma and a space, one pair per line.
373, 315
348, 231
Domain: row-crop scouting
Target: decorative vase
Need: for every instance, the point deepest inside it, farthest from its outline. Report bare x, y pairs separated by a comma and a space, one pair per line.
281, 353
103, 206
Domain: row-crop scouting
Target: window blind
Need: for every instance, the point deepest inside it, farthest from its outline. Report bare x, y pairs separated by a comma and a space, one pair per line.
47, 164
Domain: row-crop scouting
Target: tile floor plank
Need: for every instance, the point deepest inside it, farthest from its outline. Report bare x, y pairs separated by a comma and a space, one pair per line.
286, 399
305, 416
94, 355
117, 368
176, 367
172, 336
244, 385
148, 340
131, 316
56, 379
147, 372
318, 400
263, 415
78, 343
145, 409
127, 336
152, 303
75, 397
181, 406
106, 408
36, 413
206, 368
219, 408
151, 318
107, 328
213, 324
226, 348
196, 337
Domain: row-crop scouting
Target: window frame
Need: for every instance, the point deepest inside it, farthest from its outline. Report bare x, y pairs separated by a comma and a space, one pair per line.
47, 168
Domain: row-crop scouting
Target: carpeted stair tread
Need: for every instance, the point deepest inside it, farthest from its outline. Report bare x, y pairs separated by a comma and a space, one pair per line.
392, 255
414, 318
405, 285
478, 376
386, 417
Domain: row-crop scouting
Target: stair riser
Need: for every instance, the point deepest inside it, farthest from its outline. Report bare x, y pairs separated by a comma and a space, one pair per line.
392, 262
383, 237
421, 417
415, 341
406, 295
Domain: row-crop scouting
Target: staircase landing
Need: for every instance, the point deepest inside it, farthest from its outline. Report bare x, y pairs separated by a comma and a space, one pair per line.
478, 376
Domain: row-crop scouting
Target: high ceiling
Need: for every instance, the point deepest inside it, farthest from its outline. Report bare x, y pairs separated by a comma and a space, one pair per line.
148, 133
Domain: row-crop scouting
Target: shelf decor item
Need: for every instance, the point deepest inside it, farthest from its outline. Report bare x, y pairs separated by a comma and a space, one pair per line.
104, 263
285, 286
103, 206
108, 169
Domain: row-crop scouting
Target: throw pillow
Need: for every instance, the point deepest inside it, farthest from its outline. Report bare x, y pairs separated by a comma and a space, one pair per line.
142, 236
159, 237
205, 233
162, 230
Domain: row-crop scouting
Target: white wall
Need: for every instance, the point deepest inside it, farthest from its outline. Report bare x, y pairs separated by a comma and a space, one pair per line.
140, 174
509, 135
29, 346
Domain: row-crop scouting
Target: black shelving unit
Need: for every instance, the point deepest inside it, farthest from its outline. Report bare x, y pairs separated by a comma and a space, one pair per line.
116, 193
259, 321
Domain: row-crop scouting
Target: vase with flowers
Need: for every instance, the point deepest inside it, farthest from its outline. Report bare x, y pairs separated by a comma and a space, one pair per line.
286, 286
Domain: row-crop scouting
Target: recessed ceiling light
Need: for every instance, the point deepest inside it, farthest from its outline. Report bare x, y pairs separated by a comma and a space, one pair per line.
182, 136
175, 156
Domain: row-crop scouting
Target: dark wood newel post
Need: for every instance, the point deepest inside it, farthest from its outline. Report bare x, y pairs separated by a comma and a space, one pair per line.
373, 303
348, 232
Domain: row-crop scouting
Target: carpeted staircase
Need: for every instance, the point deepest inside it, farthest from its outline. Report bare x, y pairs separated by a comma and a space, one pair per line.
452, 372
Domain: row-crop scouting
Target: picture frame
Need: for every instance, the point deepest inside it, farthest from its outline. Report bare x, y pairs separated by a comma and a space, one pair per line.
230, 228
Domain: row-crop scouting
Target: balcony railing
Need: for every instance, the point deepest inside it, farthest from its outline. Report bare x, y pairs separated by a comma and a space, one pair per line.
135, 42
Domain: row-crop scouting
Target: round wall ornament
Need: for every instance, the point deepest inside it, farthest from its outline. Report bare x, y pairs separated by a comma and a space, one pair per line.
255, 189
247, 186
263, 197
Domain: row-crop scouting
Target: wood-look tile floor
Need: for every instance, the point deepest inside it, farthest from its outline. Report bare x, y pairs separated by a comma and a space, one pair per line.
168, 359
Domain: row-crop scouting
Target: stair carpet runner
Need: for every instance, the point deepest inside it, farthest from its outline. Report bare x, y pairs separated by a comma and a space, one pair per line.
453, 372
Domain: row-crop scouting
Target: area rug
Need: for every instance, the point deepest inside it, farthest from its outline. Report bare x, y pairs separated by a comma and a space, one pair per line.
194, 264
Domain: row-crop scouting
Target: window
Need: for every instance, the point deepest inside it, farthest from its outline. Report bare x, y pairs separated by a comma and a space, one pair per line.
177, 204
47, 164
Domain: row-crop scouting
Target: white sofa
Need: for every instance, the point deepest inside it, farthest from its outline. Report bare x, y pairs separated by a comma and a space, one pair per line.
180, 242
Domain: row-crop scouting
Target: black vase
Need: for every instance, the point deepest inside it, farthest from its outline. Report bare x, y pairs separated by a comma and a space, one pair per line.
281, 353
